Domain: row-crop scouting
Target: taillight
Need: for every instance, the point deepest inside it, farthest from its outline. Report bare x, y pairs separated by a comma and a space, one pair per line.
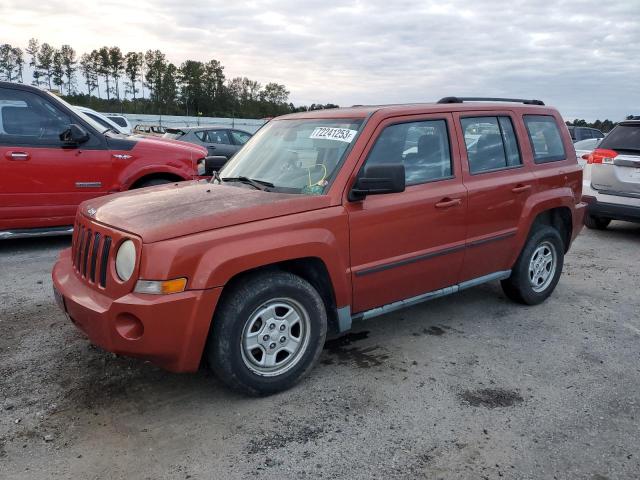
602, 155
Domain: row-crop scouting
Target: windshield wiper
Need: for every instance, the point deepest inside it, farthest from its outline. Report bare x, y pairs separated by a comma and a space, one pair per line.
257, 184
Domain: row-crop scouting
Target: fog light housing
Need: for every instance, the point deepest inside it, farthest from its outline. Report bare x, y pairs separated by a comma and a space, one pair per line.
161, 287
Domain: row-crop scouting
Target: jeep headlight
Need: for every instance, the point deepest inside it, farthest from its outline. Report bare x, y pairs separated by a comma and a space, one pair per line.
201, 167
126, 260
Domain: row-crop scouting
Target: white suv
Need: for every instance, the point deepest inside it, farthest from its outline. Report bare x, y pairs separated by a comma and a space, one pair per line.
612, 177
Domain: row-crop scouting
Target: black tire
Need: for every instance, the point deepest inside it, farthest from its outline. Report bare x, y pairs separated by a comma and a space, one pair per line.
519, 286
596, 223
152, 182
240, 307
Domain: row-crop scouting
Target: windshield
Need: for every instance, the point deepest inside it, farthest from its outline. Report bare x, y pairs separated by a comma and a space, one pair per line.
296, 156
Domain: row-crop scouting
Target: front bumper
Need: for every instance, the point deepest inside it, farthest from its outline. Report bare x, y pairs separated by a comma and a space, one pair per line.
168, 330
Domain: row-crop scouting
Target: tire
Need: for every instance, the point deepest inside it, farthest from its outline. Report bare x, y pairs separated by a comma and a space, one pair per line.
596, 223
153, 182
535, 276
255, 308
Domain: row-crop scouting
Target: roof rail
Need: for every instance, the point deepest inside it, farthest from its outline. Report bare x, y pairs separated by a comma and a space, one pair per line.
489, 99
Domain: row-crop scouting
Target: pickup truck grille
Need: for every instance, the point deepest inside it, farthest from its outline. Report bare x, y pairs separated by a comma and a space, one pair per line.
90, 253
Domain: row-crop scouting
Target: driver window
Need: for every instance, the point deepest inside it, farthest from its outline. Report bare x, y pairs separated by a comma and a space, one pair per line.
423, 148
28, 119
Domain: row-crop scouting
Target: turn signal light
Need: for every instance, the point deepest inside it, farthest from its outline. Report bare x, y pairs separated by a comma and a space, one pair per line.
161, 287
602, 155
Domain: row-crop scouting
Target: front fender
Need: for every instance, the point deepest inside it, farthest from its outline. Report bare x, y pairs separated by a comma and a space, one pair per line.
212, 259
130, 176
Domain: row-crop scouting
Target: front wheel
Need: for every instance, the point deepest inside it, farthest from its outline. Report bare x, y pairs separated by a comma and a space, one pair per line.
538, 268
267, 333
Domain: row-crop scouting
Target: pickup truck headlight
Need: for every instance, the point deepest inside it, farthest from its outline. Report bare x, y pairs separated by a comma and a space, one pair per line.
126, 260
201, 169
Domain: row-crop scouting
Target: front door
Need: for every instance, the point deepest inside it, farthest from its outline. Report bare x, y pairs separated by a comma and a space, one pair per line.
498, 184
405, 244
42, 181
219, 143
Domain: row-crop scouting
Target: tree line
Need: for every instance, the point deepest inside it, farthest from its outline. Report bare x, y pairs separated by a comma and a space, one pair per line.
107, 79
602, 125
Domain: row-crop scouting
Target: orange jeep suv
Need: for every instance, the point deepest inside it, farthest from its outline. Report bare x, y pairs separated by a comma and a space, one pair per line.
325, 218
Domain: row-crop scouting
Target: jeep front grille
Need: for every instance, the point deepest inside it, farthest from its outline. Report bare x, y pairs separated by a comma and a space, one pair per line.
90, 253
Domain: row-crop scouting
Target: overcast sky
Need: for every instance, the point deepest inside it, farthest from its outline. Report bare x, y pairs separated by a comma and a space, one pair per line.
581, 56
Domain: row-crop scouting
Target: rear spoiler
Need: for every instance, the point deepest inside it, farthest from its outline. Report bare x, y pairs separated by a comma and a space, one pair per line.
174, 130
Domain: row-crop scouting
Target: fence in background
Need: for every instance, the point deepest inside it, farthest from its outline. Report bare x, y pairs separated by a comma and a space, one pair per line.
251, 125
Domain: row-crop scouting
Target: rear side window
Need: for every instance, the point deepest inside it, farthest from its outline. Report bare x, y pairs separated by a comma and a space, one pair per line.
545, 138
423, 148
217, 136
623, 137
491, 143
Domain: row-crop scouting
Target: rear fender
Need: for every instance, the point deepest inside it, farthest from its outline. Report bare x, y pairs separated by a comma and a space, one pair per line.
534, 206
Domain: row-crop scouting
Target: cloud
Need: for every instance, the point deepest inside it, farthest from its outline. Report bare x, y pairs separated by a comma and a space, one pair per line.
580, 56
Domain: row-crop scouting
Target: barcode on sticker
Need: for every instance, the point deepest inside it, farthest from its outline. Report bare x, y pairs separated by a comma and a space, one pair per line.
332, 133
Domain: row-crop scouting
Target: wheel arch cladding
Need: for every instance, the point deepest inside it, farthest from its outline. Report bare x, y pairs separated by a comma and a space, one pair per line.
312, 269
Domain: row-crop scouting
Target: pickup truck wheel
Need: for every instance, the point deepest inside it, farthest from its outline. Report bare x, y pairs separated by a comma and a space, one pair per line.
538, 268
596, 223
267, 333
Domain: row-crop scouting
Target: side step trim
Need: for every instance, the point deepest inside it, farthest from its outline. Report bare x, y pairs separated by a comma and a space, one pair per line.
392, 307
35, 232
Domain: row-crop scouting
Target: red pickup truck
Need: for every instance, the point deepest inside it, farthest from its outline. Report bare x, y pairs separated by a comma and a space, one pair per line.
52, 158
324, 218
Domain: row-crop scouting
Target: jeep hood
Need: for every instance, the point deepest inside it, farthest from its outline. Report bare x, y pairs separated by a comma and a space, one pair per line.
174, 210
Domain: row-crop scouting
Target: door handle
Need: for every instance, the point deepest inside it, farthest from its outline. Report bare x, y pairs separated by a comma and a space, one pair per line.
19, 156
521, 188
448, 202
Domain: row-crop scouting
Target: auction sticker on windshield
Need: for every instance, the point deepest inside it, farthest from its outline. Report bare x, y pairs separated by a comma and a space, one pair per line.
333, 133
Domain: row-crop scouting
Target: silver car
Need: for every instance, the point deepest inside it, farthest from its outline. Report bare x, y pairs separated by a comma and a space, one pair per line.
219, 141
584, 149
612, 177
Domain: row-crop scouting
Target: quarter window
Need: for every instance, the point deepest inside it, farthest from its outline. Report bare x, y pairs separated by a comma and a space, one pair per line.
423, 148
491, 143
545, 138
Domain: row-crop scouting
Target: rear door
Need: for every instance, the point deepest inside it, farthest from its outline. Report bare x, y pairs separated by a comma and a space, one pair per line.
498, 182
218, 142
43, 180
408, 243
619, 173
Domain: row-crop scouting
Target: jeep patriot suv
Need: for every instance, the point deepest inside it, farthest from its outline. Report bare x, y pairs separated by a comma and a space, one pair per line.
324, 218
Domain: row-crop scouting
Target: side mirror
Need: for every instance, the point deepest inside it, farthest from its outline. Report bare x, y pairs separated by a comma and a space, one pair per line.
213, 164
378, 179
74, 135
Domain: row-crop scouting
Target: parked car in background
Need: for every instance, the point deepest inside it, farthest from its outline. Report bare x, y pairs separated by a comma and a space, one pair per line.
584, 149
149, 130
612, 177
101, 119
53, 157
325, 217
123, 123
582, 133
219, 141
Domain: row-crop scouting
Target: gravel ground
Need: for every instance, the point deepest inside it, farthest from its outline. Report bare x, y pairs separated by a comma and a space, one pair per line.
469, 386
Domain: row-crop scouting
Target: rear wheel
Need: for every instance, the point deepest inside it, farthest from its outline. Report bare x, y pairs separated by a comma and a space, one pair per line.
268, 332
538, 268
596, 223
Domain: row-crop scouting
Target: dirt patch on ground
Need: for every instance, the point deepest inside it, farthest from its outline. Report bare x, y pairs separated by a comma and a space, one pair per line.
491, 397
